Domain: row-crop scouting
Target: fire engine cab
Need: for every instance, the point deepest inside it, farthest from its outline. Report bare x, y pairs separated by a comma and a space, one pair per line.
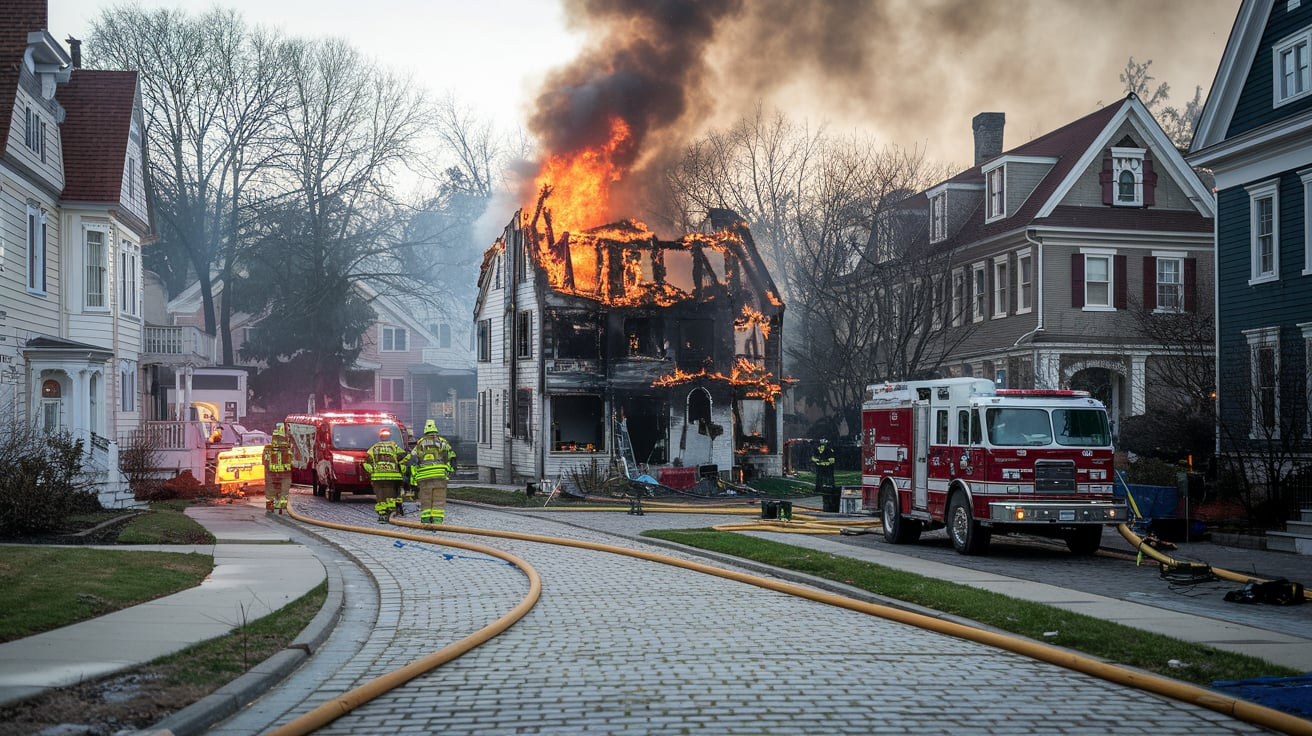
959, 453
328, 449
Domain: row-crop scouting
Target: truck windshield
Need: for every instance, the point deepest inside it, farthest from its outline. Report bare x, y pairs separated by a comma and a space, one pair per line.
1082, 427
362, 436
1018, 427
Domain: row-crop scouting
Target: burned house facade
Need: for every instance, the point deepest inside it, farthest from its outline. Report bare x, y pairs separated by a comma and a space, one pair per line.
591, 343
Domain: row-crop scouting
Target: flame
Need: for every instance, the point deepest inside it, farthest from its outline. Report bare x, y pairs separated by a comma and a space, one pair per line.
752, 317
580, 181
758, 382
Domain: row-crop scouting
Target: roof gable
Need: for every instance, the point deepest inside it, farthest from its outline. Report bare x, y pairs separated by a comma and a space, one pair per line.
94, 136
17, 19
1232, 74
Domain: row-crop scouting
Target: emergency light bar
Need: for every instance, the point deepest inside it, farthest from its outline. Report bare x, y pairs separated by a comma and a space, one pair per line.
1040, 392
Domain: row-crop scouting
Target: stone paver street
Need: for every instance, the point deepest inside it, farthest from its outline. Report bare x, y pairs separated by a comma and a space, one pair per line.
618, 645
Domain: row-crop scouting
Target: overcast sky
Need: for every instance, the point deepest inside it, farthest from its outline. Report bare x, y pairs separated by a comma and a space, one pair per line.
914, 71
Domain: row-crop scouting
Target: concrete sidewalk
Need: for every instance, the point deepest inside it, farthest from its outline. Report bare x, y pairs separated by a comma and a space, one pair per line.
257, 570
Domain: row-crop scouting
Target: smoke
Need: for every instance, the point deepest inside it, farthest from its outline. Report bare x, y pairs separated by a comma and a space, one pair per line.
913, 72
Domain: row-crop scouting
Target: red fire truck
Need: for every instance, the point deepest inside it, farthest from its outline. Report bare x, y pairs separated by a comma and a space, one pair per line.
959, 453
328, 448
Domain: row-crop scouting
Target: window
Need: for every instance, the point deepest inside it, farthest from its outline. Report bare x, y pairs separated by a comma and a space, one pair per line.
958, 297
1170, 284
127, 385
394, 340
1024, 282
524, 335
997, 193
132, 177
1128, 168
485, 341
1097, 281
485, 417
34, 136
1000, 306
938, 217
129, 299
968, 428
523, 410
1290, 59
1264, 232
980, 293
36, 250
391, 389
941, 427
1263, 345
94, 255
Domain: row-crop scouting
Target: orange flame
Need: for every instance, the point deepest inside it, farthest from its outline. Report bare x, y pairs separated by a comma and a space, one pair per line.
752, 317
758, 382
581, 181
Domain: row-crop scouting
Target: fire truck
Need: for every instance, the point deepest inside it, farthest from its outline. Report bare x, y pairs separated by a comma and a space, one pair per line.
961, 454
328, 448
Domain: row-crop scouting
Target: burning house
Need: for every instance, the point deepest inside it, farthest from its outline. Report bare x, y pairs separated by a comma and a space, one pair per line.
593, 342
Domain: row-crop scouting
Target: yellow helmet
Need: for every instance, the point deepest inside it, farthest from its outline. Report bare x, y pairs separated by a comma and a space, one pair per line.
430, 427
279, 430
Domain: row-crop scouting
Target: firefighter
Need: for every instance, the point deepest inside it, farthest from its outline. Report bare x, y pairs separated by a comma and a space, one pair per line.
383, 464
432, 461
823, 460
277, 457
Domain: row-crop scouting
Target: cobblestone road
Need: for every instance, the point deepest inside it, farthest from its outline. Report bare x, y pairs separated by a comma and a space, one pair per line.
618, 645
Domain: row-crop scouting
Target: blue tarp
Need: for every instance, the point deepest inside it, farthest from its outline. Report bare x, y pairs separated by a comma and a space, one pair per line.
1287, 694
1154, 502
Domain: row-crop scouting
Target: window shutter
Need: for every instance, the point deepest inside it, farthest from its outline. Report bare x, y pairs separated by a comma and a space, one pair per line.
1190, 284
1119, 297
1013, 284
1105, 178
1150, 282
1077, 279
1149, 183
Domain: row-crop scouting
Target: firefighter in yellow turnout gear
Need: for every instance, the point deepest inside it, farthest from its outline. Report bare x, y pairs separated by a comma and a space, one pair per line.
277, 458
432, 462
383, 464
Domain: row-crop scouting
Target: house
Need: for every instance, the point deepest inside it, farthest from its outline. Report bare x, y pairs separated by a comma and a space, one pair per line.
413, 362
613, 344
1256, 136
73, 220
1052, 252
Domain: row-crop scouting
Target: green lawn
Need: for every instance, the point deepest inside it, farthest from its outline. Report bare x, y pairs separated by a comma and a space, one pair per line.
46, 587
1115, 642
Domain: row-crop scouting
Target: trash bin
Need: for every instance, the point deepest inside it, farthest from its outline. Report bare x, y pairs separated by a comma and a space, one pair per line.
770, 509
786, 510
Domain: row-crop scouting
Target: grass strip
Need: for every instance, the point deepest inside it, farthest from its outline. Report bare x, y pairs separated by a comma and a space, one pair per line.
1092, 636
47, 587
216, 662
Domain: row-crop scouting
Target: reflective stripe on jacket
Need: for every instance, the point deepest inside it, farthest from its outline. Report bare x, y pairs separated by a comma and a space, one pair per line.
383, 461
432, 457
277, 457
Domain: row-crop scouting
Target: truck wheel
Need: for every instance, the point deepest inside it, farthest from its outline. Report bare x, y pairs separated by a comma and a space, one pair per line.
1084, 540
897, 529
968, 536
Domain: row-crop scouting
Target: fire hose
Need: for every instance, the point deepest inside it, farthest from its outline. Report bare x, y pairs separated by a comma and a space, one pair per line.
1174, 689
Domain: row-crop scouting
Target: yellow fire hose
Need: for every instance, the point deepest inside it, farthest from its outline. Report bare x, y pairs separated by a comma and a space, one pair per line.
1184, 692
1148, 551
343, 704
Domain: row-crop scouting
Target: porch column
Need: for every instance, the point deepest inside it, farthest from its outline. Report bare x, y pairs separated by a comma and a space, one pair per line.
1138, 384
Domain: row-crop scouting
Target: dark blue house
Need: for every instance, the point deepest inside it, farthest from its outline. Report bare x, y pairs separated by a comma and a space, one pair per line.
1256, 137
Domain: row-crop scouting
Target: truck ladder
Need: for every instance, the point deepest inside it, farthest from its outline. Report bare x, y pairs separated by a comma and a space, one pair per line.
625, 446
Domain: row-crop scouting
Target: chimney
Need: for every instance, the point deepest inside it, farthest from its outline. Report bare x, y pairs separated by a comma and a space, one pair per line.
988, 135
75, 51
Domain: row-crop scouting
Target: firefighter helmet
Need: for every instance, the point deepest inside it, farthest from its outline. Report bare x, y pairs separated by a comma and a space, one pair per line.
384, 434
430, 427
279, 430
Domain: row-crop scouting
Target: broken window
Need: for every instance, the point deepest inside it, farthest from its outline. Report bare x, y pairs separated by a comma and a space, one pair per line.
524, 335
484, 340
644, 337
577, 423
695, 344
753, 423
573, 335
699, 413
523, 410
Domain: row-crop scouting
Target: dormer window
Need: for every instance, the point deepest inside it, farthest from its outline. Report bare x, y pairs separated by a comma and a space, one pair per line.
1292, 76
1128, 173
938, 217
997, 193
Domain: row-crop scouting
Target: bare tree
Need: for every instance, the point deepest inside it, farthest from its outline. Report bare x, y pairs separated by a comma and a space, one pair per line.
1178, 123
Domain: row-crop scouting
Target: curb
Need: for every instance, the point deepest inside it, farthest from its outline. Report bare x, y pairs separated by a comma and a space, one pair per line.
198, 717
